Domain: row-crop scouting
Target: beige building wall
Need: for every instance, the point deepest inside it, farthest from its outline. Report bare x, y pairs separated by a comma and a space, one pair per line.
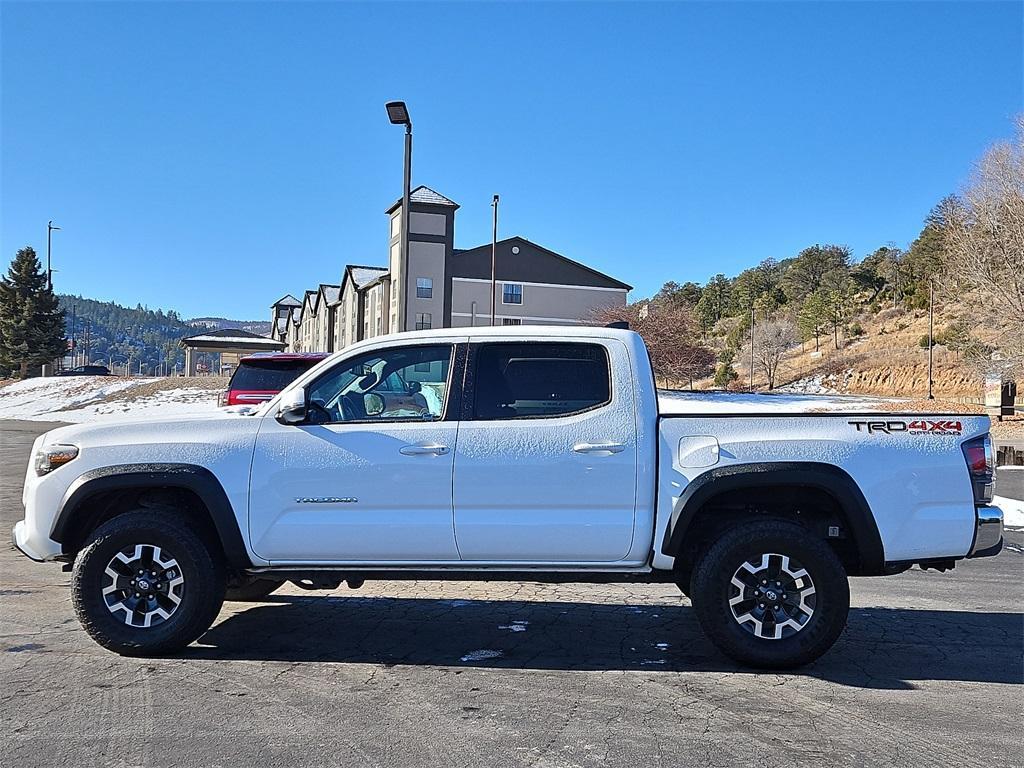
543, 304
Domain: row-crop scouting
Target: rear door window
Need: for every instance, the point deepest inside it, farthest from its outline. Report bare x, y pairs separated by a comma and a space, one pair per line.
268, 376
538, 379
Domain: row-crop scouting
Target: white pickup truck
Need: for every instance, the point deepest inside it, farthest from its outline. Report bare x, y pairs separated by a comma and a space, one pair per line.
519, 453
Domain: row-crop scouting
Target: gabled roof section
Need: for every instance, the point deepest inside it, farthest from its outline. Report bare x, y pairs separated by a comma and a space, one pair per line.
287, 301
533, 264
425, 196
363, 276
329, 293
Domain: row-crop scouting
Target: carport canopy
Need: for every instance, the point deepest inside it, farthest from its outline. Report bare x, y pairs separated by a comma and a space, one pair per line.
226, 341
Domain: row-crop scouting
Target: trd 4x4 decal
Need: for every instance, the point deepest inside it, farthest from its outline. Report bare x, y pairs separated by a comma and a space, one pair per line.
916, 427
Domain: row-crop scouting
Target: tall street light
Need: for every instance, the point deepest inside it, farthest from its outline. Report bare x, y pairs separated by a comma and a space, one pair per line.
49, 272
398, 114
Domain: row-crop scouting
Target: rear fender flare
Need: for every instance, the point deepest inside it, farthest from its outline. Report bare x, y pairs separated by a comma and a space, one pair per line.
825, 477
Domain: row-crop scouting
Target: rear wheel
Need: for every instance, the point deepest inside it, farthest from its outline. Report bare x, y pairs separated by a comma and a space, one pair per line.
146, 584
770, 594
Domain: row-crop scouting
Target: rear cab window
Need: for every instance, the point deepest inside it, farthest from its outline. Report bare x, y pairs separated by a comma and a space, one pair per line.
529, 380
268, 375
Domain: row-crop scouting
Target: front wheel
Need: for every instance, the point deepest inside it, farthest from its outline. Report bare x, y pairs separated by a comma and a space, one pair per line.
146, 583
770, 594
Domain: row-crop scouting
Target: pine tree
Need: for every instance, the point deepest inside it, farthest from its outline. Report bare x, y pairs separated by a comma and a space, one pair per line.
31, 322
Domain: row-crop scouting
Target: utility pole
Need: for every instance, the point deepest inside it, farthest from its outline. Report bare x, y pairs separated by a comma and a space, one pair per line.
931, 333
751, 347
494, 259
73, 337
49, 270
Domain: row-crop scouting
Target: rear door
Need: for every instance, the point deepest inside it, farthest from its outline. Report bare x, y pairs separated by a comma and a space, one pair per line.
546, 461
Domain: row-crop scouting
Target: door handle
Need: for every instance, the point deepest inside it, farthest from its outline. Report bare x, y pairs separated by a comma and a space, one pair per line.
423, 449
599, 447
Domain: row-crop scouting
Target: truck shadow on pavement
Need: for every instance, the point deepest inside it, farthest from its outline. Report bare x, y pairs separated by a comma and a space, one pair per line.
885, 648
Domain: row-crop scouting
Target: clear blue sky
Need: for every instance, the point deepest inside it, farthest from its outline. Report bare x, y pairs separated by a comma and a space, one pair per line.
210, 157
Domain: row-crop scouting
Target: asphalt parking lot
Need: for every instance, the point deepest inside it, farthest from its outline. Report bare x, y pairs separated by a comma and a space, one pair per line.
929, 673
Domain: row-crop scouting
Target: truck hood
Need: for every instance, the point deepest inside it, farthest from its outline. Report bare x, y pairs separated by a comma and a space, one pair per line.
225, 426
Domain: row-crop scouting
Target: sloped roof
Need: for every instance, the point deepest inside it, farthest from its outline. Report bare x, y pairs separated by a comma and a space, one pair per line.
227, 333
362, 276
287, 301
331, 293
427, 196
533, 263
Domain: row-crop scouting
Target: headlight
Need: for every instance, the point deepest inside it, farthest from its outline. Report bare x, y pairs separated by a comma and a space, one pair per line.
50, 457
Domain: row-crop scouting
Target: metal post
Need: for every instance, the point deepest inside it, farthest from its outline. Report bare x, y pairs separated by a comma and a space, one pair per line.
931, 333
406, 216
751, 347
49, 269
494, 259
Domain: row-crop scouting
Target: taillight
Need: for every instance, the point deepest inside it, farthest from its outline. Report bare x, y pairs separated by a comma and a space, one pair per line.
222, 399
981, 464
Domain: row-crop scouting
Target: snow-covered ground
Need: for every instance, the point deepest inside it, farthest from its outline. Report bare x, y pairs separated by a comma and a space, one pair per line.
674, 401
95, 398
1013, 511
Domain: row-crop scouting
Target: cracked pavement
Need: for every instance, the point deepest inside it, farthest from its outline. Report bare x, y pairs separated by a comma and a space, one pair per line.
929, 672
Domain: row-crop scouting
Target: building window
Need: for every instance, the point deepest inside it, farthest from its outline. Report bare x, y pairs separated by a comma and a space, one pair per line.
512, 293
424, 288
422, 367
511, 321
423, 321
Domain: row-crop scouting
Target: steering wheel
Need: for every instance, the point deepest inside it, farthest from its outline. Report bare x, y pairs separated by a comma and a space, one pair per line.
351, 407
318, 413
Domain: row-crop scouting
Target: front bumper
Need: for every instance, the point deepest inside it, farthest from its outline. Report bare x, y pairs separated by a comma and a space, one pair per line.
19, 539
988, 532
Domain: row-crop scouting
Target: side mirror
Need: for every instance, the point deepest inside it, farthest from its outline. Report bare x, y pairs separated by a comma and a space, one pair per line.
292, 408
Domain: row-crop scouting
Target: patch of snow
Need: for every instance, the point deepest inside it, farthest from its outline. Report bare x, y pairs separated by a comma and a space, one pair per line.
481, 655
1013, 511
515, 626
676, 401
79, 399
255, 340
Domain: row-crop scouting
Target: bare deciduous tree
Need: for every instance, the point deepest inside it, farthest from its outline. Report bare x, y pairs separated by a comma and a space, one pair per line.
984, 239
771, 340
671, 335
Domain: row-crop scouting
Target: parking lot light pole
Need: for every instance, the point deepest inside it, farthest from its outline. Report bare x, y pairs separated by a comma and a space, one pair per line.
398, 114
494, 259
49, 271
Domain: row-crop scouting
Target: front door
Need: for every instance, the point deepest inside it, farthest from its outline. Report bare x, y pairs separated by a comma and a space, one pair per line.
546, 463
369, 477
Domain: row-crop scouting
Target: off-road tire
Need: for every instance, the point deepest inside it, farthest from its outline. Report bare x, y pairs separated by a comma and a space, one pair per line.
684, 580
198, 561
251, 591
712, 588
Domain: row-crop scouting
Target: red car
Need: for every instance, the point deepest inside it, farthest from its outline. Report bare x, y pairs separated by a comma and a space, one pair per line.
260, 376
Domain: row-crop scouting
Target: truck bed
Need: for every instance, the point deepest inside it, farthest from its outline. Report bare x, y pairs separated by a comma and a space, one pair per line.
672, 402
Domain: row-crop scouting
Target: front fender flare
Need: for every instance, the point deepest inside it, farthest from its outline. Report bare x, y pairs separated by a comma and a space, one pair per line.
191, 477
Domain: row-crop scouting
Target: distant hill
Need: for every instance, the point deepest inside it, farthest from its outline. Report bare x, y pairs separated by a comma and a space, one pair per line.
106, 332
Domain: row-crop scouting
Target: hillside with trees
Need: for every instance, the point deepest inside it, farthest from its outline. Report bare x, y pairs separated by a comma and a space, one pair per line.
108, 333
823, 313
